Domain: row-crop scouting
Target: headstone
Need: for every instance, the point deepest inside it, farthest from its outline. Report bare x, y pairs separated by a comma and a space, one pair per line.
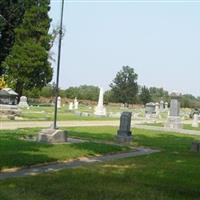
71, 106
59, 102
100, 110
157, 109
166, 106
150, 110
23, 102
124, 133
174, 120
52, 136
195, 122
195, 147
161, 106
76, 104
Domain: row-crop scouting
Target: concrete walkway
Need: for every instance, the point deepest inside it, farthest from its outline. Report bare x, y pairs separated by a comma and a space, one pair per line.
52, 167
157, 128
11, 125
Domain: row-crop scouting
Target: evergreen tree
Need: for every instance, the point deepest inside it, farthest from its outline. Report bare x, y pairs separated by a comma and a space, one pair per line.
11, 13
27, 66
124, 86
145, 96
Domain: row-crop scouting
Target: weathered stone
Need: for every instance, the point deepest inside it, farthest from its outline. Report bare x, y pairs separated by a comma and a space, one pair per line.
76, 104
195, 147
71, 106
52, 136
23, 102
195, 122
100, 110
174, 120
157, 109
161, 105
59, 102
150, 108
166, 106
124, 134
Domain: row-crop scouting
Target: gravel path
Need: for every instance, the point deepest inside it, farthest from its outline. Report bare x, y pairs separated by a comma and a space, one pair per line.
11, 125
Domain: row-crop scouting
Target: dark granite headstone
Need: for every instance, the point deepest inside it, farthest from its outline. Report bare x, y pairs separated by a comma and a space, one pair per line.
124, 133
195, 147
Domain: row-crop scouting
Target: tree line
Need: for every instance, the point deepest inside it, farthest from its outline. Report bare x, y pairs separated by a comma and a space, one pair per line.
25, 43
123, 89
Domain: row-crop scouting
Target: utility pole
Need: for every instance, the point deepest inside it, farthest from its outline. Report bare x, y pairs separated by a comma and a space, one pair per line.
58, 66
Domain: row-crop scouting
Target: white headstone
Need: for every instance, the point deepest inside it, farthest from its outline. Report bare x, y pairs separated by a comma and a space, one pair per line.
100, 110
157, 109
23, 102
161, 105
76, 104
166, 105
174, 119
195, 122
59, 102
71, 106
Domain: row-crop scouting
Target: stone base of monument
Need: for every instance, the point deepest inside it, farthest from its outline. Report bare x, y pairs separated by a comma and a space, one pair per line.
124, 137
174, 122
195, 147
52, 136
195, 125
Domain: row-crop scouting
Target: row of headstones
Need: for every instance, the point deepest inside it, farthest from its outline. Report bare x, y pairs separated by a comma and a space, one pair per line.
151, 108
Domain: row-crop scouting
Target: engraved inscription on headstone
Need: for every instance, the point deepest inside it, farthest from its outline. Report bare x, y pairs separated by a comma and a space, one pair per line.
124, 132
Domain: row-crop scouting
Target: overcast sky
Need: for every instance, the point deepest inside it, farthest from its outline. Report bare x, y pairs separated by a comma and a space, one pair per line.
160, 40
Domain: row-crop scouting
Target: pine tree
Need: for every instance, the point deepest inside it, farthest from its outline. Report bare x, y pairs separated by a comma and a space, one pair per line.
145, 95
124, 86
11, 13
27, 66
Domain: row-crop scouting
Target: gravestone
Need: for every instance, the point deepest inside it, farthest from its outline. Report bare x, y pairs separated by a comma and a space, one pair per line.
161, 106
100, 110
59, 102
157, 109
150, 110
166, 106
124, 133
174, 119
76, 104
195, 147
195, 122
71, 106
23, 102
52, 136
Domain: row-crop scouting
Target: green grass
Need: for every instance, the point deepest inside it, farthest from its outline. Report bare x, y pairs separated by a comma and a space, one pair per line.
47, 113
171, 174
15, 152
189, 127
185, 126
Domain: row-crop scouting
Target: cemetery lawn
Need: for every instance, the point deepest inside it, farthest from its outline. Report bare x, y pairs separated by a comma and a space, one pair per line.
171, 174
185, 126
17, 152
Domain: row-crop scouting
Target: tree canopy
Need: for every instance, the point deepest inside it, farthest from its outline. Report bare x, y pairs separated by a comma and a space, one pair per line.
27, 66
124, 87
11, 13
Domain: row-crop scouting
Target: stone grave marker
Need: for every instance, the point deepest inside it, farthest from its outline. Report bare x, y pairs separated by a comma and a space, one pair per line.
124, 134
174, 119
